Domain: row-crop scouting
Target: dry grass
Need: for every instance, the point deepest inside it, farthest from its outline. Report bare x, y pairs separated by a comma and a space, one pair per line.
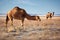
34, 30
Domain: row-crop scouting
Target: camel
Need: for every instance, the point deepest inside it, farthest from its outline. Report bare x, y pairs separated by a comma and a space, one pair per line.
20, 14
49, 15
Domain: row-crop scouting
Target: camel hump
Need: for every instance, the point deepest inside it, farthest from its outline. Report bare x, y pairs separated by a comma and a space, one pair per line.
17, 8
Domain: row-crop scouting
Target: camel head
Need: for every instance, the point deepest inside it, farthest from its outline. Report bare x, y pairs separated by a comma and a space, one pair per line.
38, 18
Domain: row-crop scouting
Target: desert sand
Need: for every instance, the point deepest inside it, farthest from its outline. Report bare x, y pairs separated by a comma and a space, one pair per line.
32, 30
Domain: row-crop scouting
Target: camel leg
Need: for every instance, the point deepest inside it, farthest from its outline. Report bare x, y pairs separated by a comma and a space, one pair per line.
46, 17
23, 22
6, 25
7, 19
12, 21
6, 22
9, 29
39, 19
50, 17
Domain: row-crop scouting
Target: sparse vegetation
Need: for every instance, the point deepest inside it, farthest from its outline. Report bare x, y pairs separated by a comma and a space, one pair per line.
34, 30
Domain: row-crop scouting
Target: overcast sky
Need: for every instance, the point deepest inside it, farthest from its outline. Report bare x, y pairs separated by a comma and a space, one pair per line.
31, 6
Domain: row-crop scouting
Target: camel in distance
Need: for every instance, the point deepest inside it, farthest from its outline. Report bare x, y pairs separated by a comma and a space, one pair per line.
49, 15
20, 14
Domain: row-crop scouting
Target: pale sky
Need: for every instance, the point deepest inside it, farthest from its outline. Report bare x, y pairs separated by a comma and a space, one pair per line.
32, 7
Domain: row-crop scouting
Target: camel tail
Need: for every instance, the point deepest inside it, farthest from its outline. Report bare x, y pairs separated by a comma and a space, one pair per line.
7, 19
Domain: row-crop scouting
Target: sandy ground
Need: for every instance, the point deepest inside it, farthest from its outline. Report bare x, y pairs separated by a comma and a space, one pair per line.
33, 30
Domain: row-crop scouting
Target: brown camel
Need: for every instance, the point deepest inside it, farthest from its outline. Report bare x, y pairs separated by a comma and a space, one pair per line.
21, 14
49, 15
